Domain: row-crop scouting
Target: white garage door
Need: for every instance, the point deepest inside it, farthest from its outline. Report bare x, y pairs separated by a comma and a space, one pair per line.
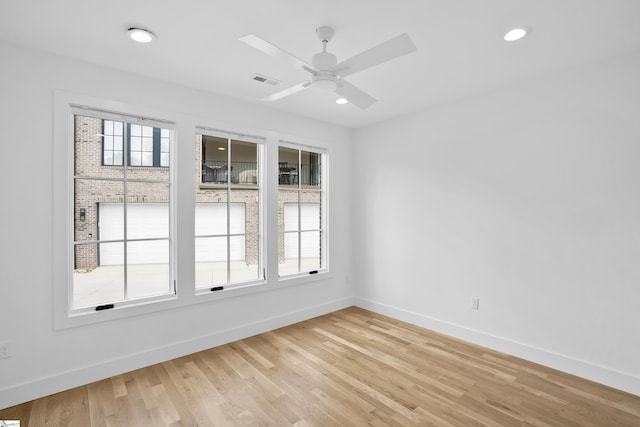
151, 220
145, 221
309, 220
211, 219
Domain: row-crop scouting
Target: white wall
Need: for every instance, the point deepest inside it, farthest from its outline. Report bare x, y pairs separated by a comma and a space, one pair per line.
527, 198
46, 360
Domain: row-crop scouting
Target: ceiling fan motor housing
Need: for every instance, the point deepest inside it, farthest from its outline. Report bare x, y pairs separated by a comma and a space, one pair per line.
325, 77
324, 61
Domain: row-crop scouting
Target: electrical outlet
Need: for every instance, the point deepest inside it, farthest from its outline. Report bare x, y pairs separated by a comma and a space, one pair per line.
475, 303
5, 350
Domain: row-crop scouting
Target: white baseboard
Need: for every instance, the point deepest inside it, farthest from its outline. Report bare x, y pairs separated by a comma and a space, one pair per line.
16, 394
600, 374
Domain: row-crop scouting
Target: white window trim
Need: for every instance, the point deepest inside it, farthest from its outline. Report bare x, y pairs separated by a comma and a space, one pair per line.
185, 129
261, 142
324, 200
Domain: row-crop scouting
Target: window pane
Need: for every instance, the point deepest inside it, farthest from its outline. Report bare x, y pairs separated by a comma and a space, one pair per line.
108, 143
291, 245
136, 143
211, 218
147, 220
213, 153
244, 262
164, 159
211, 249
310, 213
309, 216
249, 267
244, 163
136, 130
148, 268
310, 168
89, 196
108, 157
147, 159
112, 220
287, 210
135, 159
211, 261
288, 167
310, 250
147, 144
117, 157
244, 214
98, 285
147, 131
288, 253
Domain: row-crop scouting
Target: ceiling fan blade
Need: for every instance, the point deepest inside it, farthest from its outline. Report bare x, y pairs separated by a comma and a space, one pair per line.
287, 92
354, 95
273, 50
383, 52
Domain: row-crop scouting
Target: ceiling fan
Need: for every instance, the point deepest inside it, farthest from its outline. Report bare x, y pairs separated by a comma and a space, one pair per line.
325, 70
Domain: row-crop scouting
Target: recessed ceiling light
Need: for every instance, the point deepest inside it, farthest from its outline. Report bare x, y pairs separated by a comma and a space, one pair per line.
140, 35
341, 101
516, 34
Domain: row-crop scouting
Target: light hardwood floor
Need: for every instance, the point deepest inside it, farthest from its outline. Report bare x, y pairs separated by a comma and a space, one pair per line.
348, 368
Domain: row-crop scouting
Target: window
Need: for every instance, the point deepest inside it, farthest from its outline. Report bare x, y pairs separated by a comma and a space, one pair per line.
228, 236
122, 229
301, 210
122, 233
146, 145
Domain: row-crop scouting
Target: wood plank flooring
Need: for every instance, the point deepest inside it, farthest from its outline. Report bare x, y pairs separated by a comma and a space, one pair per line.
348, 368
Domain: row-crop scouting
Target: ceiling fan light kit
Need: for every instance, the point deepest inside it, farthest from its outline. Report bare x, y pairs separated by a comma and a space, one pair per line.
326, 73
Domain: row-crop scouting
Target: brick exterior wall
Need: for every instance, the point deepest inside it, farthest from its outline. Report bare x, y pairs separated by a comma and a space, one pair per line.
89, 193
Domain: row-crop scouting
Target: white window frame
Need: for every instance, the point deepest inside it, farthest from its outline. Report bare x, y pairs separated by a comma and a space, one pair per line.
260, 145
182, 167
324, 200
66, 107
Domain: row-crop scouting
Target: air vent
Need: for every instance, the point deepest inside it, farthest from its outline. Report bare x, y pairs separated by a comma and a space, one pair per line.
264, 79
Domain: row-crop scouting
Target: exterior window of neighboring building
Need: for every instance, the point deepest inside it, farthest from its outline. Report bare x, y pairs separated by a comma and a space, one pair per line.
146, 145
122, 233
228, 211
112, 143
301, 210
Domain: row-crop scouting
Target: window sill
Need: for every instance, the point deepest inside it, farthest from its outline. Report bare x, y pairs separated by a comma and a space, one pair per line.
81, 317
307, 277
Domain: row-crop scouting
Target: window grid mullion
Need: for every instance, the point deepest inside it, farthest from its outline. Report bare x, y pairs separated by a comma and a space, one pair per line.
299, 211
228, 210
125, 203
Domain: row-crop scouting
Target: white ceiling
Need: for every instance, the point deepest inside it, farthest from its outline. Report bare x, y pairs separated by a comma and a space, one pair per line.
460, 46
